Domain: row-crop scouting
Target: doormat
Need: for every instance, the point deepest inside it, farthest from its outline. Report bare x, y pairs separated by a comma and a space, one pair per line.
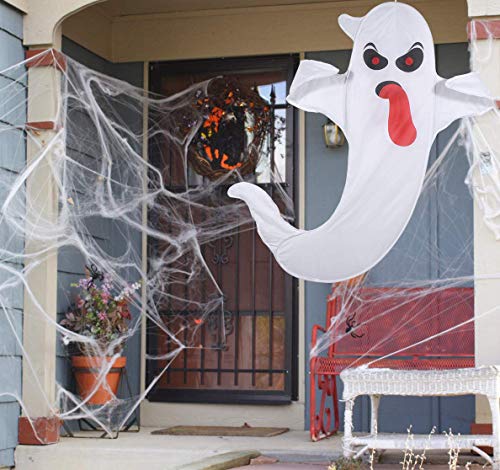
243, 431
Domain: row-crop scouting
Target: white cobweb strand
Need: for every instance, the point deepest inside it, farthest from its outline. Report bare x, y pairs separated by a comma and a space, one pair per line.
483, 148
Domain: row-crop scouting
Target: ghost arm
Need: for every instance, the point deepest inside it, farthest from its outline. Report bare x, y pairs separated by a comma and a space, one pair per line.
319, 88
461, 96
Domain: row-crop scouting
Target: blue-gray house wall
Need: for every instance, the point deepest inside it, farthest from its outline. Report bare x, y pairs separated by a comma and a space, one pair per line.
106, 233
12, 158
325, 178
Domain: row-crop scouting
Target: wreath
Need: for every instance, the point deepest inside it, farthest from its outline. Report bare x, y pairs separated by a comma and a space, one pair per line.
236, 122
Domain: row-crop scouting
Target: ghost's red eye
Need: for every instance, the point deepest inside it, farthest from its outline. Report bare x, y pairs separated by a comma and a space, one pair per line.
373, 59
412, 60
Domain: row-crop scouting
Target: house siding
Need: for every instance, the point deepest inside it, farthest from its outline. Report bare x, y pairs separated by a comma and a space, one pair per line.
107, 233
325, 178
12, 160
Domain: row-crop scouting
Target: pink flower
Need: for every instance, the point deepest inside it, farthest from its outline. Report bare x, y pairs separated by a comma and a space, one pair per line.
106, 284
80, 302
102, 316
105, 297
85, 283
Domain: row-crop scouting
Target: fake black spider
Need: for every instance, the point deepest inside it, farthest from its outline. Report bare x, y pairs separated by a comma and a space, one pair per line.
94, 273
351, 324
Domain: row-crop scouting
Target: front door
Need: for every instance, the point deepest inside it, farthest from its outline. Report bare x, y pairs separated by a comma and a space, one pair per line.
254, 359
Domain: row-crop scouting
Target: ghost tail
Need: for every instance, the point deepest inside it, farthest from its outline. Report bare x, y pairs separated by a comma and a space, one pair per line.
272, 228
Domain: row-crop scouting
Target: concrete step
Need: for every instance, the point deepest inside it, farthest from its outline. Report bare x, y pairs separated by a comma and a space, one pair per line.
137, 451
224, 461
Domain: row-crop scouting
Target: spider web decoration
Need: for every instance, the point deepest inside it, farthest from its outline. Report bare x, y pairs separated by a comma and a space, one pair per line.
105, 187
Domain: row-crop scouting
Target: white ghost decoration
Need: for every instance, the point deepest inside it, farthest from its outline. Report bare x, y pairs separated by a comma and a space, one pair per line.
390, 104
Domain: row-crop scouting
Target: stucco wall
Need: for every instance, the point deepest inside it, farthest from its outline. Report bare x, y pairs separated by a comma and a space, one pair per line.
12, 158
483, 7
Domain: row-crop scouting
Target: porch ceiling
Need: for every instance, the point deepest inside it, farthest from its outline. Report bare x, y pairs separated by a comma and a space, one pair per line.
116, 8
150, 30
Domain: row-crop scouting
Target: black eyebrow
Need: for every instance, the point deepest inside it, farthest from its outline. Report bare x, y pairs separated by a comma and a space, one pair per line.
417, 44
373, 45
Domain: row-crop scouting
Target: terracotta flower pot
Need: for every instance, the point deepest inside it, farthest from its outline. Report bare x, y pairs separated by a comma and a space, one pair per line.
87, 370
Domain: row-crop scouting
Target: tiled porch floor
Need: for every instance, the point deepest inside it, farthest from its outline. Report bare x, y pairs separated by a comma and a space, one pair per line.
139, 451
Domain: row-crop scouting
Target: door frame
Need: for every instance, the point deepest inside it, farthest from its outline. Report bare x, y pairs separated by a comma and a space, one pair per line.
157, 71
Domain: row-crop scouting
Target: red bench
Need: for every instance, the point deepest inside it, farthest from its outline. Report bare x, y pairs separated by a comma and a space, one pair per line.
391, 329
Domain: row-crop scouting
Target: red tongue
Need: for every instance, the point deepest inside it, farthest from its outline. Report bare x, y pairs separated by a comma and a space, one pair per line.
401, 128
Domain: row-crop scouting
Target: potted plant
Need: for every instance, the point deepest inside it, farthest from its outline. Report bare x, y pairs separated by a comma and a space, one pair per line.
104, 319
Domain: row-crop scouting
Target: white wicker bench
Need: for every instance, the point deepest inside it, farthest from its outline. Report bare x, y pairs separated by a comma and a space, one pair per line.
378, 382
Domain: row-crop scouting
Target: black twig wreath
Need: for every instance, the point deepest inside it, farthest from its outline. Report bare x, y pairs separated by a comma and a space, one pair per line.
236, 122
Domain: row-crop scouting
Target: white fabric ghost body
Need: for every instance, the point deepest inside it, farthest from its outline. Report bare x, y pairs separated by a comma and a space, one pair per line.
390, 104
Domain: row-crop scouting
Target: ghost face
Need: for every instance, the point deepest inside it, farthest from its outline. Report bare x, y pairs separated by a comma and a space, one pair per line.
392, 71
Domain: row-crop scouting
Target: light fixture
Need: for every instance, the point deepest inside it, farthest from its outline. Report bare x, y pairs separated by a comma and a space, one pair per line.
333, 135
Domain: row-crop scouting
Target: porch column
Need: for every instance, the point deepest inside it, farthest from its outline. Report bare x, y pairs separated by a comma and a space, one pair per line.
486, 248
39, 361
